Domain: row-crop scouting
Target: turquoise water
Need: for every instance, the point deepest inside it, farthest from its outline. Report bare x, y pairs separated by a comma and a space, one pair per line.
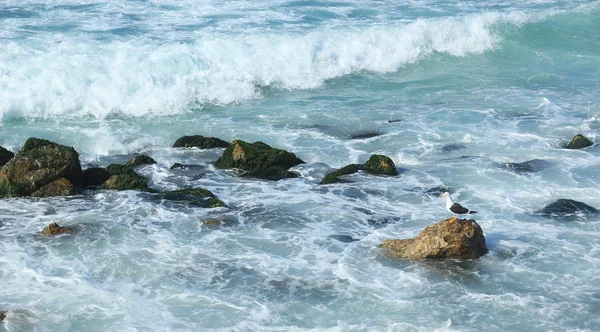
453, 89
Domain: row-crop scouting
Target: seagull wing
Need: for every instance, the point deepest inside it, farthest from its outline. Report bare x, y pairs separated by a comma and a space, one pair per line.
458, 209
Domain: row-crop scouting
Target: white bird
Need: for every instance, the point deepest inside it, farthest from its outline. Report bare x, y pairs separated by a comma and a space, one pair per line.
455, 208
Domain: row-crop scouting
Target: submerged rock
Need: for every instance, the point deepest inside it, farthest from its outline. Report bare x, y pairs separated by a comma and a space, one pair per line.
177, 166
54, 229
343, 238
193, 196
124, 178
529, 166
563, 207
201, 142
94, 176
453, 147
214, 223
461, 238
258, 160
140, 160
39, 163
333, 177
365, 135
59, 187
5, 156
579, 142
2, 316
380, 165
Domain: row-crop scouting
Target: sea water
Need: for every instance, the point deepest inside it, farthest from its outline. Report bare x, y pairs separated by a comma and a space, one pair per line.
450, 90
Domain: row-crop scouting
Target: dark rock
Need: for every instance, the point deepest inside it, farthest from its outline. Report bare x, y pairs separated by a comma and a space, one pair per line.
333, 177
2, 316
59, 187
115, 169
529, 166
380, 165
394, 121
126, 181
258, 160
54, 229
453, 147
343, 238
39, 163
447, 239
94, 176
201, 142
579, 142
194, 197
177, 166
563, 207
365, 135
140, 160
5, 156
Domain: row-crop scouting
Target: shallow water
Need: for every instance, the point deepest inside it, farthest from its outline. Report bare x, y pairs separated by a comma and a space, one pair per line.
454, 90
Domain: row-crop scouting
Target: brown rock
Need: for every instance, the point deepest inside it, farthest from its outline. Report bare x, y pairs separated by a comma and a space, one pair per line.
60, 187
2, 316
461, 238
54, 229
217, 222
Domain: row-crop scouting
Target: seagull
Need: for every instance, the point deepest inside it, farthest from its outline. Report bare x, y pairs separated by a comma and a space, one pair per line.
455, 208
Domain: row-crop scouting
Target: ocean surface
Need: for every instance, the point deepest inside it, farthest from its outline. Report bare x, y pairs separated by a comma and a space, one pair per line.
453, 90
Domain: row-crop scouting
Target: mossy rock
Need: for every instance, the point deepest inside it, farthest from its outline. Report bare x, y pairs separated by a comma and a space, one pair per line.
380, 165
60, 187
115, 169
126, 181
579, 142
54, 229
140, 160
94, 176
5, 156
39, 163
258, 160
201, 142
333, 177
177, 166
194, 197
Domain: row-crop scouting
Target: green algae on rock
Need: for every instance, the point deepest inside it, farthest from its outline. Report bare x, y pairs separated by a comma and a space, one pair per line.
333, 177
579, 142
140, 160
193, 196
201, 142
380, 165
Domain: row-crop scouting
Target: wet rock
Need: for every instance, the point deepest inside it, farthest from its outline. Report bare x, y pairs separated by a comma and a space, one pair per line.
5, 156
453, 147
194, 197
59, 187
563, 207
333, 177
343, 238
380, 165
94, 176
124, 178
529, 166
579, 142
461, 238
258, 160
140, 160
177, 166
54, 229
2, 316
201, 142
365, 135
39, 163
215, 223
394, 121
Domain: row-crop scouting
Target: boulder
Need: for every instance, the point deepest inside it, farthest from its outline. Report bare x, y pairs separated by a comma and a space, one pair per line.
579, 142
94, 176
193, 196
5, 156
333, 177
140, 160
563, 207
380, 165
460, 238
201, 142
258, 160
177, 166
124, 178
54, 229
39, 163
59, 187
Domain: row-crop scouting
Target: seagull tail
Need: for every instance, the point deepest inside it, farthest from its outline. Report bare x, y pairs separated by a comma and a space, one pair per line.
472, 212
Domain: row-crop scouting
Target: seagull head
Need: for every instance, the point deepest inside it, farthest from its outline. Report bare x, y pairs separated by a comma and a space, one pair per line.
445, 194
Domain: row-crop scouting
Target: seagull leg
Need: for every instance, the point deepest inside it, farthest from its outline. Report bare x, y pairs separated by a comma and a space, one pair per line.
453, 219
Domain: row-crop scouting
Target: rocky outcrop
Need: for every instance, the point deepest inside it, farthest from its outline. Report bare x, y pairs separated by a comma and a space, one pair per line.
201, 142
54, 229
562, 207
333, 177
140, 160
193, 196
447, 239
380, 165
529, 166
124, 178
59, 187
579, 142
5, 156
258, 160
377, 165
39, 163
94, 176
